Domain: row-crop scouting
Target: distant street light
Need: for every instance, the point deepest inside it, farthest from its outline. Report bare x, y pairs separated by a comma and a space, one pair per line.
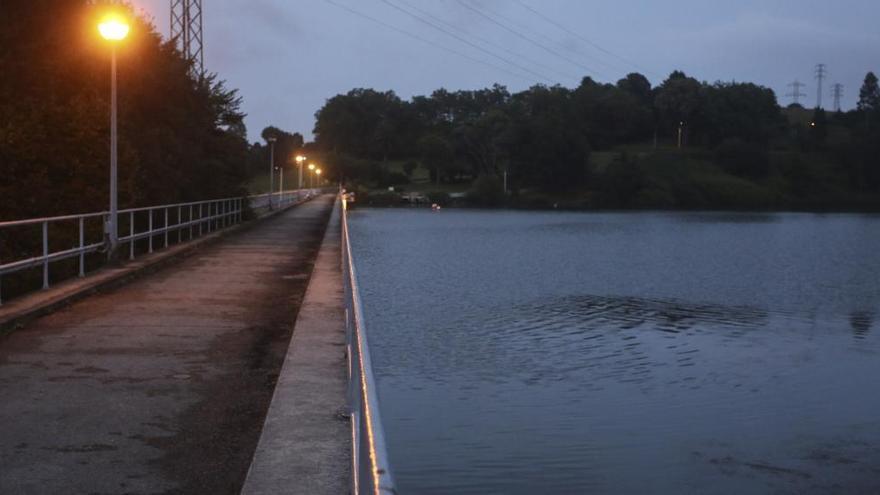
318, 172
680, 127
311, 175
271, 140
300, 160
113, 28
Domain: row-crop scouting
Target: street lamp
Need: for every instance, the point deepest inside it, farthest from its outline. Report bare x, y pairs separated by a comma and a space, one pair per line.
312, 170
318, 172
680, 127
300, 159
113, 28
271, 140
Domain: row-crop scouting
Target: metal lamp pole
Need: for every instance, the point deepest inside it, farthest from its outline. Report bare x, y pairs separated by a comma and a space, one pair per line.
300, 163
271, 141
113, 28
113, 227
680, 126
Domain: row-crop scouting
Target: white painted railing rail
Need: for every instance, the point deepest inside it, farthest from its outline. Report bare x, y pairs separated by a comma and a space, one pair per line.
371, 470
159, 226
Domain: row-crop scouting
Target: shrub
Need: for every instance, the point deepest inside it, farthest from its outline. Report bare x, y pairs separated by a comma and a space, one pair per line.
742, 159
383, 198
486, 191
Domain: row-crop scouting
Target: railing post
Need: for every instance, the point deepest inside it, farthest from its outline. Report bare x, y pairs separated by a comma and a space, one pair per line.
150, 212
45, 255
82, 254
210, 216
201, 218
131, 235
190, 222
166, 227
179, 228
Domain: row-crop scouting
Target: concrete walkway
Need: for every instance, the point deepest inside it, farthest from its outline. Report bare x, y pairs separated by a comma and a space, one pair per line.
305, 447
160, 386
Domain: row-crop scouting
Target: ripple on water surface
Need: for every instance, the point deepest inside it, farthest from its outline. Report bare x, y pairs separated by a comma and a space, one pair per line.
522, 353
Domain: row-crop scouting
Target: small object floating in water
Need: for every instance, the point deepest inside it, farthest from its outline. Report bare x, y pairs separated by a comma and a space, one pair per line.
435, 207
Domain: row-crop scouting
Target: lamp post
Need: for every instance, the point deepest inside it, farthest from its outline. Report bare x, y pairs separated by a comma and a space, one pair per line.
300, 160
311, 175
680, 127
113, 28
318, 173
271, 140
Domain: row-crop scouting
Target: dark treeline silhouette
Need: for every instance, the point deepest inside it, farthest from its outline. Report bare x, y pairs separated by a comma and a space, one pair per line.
613, 145
180, 137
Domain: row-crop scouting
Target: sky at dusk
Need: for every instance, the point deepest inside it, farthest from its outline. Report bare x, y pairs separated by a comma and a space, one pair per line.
288, 57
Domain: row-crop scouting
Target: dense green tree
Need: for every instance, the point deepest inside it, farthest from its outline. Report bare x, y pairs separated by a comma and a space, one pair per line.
639, 87
180, 137
819, 128
437, 155
483, 143
869, 94
679, 101
546, 139
287, 146
546, 149
363, 122
740, 110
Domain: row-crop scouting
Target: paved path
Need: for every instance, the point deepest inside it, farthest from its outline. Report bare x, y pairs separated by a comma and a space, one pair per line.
160, 386
305, 447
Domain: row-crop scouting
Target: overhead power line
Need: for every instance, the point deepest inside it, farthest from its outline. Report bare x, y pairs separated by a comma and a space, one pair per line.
488, 42
550, 41
581, 37
530, 40
425, 40
465, 41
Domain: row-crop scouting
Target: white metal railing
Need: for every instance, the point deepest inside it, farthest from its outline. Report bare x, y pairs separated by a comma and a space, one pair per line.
371, 471
159, 223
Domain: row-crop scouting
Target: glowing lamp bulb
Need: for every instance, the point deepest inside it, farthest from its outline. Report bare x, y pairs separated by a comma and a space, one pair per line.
113, 27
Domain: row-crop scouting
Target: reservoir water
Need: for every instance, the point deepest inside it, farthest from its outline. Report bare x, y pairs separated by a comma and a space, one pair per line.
625, 353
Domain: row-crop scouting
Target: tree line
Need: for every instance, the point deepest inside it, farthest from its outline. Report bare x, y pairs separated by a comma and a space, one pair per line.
735, 139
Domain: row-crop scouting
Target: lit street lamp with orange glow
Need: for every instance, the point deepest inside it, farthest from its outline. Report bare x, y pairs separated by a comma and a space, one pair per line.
311, 175
114, 28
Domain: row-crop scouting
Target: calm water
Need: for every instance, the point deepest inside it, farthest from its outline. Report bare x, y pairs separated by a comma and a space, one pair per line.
631, 353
